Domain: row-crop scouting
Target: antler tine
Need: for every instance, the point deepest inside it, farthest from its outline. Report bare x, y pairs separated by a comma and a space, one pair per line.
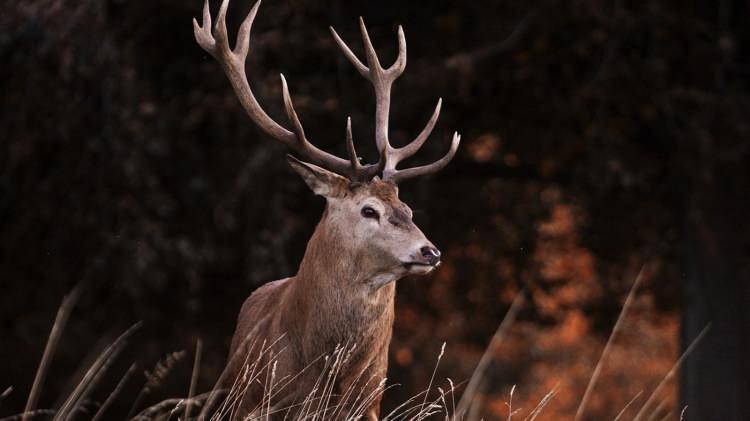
292, 114
361, 68
398, 176
216, 43
203, 33
356, 167
242, 44
400, 64
222, 38
373, 63
360, 172
399, 154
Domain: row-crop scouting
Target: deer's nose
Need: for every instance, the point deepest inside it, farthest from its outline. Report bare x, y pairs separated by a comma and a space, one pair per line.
431, 254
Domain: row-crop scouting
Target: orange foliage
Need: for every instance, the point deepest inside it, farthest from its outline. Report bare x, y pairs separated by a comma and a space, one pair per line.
557, 342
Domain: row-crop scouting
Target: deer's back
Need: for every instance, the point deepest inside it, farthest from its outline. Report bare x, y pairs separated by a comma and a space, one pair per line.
257, 313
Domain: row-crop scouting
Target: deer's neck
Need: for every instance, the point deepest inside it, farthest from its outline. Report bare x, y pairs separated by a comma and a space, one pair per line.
337, 288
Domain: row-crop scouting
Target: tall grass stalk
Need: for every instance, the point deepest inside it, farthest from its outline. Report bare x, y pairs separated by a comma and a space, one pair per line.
476, 378
93, 375
112, 396
63, 313
615, 331
194, 376
671, 372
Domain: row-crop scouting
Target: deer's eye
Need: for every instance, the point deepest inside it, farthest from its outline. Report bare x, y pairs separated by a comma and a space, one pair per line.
369, 212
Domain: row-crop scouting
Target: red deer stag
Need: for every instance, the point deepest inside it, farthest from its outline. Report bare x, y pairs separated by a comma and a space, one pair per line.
343, 292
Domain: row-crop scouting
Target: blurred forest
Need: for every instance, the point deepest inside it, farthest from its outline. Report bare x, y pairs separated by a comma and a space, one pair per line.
599, 136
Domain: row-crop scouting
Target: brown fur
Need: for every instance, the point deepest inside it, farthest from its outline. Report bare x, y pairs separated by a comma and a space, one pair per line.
342, 294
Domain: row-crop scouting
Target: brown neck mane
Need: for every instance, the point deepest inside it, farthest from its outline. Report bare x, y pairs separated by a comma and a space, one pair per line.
332, 284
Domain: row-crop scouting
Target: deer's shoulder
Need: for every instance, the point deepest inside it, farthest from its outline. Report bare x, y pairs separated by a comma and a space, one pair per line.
256, 309
265, 295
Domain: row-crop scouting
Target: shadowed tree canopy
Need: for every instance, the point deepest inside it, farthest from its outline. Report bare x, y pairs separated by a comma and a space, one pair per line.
597, 136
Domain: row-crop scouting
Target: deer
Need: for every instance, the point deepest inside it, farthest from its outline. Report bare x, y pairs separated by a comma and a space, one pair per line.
344, 289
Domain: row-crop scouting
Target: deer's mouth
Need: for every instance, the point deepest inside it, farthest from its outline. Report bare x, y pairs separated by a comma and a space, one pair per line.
420, 267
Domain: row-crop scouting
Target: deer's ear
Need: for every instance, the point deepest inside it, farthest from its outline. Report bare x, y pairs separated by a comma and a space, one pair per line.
321, 181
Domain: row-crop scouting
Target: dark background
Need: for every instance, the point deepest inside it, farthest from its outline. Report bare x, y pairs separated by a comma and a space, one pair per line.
598, 137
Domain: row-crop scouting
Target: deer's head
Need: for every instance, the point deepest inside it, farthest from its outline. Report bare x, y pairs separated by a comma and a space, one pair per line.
363, 209
368, 220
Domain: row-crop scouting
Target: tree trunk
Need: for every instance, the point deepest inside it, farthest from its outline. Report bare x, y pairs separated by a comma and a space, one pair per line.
715, 383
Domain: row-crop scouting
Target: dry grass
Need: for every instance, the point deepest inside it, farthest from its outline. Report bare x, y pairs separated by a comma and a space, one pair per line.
320, 403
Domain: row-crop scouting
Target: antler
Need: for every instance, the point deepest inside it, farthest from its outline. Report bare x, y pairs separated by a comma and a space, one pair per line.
233, 62
216, 43
382, 81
